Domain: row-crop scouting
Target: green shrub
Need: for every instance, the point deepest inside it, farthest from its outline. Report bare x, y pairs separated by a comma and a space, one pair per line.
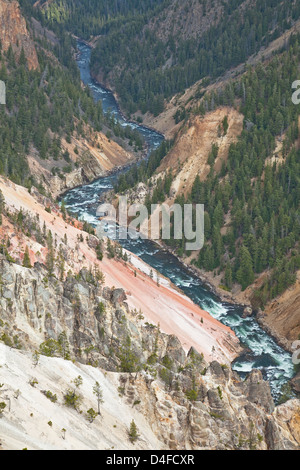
2, 407
72, 399
52, 396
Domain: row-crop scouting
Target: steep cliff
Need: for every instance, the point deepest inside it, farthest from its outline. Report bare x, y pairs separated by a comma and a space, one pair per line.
189, 156
14, 32
92, 156
81, 328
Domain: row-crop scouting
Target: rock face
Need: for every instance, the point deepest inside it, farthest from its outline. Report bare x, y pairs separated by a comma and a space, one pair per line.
247, 312
281, 316
259, 392
13, 31
221, 417
78, 177
95, 156
187, 403
296, 383
190, 153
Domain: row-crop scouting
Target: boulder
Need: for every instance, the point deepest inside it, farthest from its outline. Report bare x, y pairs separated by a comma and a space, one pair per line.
118, 296
175, 350
247, 312
259, 392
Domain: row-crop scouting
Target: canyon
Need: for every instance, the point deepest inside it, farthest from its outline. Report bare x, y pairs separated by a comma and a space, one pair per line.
69, 310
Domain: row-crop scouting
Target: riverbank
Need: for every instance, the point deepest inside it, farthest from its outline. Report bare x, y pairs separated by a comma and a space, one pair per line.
114, 168
120, 110
161, 303
239, 300
213, 284
106, 174
109, 89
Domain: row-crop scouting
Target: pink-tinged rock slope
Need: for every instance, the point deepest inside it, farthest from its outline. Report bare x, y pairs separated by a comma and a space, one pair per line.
160, 304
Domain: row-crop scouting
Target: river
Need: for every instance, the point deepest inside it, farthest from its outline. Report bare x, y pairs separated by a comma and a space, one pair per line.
264, 353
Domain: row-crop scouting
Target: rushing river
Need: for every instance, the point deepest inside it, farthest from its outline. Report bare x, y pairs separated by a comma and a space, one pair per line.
275, 363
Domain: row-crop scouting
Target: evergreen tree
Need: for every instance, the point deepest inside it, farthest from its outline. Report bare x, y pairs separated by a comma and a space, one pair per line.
245, 273
129, 361
228, 276
50, 254
133, 433
26, 259
97, 390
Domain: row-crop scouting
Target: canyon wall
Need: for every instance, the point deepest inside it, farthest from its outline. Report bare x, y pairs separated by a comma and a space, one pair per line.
14, 32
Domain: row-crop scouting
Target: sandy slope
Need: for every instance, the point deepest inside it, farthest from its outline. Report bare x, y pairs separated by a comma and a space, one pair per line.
26, 424
189, 156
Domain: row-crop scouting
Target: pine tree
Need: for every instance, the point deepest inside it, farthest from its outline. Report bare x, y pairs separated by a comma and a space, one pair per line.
26, 259
97, 390
22, 59
245, 273
128, 358
225, 125
50, 254
91, 415
64, 345
133, 433
228, 276
61, 263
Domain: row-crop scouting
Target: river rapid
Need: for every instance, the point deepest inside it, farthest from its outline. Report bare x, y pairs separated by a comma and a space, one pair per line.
262, 351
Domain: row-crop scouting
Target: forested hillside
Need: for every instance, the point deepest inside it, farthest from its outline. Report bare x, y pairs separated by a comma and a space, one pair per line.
45, 106
152, 49
252, 201
40, 109
258, 186
146, 67
93, 17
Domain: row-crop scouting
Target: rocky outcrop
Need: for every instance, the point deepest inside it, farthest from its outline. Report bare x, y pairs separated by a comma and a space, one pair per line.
92, 156
259, 391
220, 417
58, 185
295, 382
187, 403
35, 307
190, 153
281, 316
13, 32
